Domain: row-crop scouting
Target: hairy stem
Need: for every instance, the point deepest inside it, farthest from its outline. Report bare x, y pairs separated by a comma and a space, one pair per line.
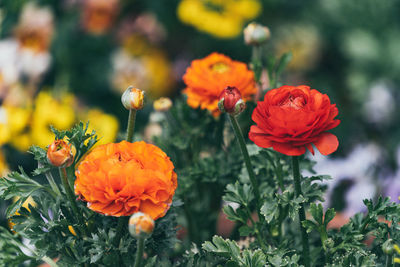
389, 261
71, 197
131, 125
249, 167
302, 213
139, 251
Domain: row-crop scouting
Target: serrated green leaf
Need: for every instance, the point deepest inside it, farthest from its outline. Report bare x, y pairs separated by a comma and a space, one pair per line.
317, 212
309, 225
245, 230
329, 215
270, 210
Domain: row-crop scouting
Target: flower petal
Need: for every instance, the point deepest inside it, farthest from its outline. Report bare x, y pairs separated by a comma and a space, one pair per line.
258, 136
327, 143
288, 149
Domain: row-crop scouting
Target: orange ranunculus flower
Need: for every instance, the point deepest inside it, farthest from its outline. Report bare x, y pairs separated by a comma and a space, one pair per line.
119, 179
206, 78
291, 118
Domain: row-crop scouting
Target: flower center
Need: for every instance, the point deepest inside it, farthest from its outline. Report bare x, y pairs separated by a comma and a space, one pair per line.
220, 67
32, 42
296, 102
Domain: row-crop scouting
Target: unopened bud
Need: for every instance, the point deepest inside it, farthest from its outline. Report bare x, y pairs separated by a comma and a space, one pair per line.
230, 101
387, 247
162, 104
141, 225
256, 34
133, 98
60, 154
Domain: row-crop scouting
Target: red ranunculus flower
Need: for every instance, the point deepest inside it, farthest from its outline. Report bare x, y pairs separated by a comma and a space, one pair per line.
291, 118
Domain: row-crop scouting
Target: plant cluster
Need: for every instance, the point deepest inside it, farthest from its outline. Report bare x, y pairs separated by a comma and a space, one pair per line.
202, 177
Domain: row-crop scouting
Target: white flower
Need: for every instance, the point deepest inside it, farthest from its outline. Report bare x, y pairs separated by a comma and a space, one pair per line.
380, 105
8, 61
358, 167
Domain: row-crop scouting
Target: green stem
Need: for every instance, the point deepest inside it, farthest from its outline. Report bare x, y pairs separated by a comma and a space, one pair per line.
51, 181
139, 251
247, 161
389, 261
302, 213
131, 125
257, 64
70, 196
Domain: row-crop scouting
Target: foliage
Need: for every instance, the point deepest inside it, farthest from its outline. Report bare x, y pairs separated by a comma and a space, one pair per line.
47, 224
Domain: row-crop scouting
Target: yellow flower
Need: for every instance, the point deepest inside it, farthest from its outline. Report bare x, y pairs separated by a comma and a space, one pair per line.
50, 111
162, 104
304, 43
142, 65
105, 125
3, 165
16, 127
397, 249
4, 129
221, 18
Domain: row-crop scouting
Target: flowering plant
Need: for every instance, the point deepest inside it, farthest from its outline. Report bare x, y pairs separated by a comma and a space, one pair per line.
199, 192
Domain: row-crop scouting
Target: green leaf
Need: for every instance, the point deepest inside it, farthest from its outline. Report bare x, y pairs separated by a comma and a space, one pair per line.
245, 230
270, 210
309, 225
254, 258
238, 193
225, 248
235, 215
283, 62
329, 215
317, 212
275, 260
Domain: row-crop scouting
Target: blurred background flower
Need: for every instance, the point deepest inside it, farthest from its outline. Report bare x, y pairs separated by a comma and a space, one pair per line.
138, 63
98, 15
220, 18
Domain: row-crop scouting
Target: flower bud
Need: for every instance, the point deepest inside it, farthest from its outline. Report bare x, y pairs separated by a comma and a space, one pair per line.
162, 104
230, 101
59, 154
141, 225
256, 34
387, 247
133, 98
